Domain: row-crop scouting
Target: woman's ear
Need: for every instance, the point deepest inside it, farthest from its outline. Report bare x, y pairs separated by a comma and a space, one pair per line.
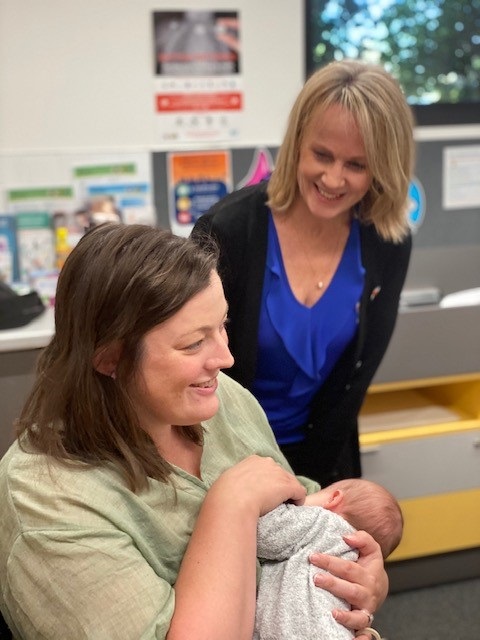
106, 359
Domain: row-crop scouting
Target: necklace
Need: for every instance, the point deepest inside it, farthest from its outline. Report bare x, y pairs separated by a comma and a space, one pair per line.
309, 259
320, 282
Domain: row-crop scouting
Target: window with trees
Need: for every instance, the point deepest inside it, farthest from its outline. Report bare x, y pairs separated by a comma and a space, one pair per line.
431, 46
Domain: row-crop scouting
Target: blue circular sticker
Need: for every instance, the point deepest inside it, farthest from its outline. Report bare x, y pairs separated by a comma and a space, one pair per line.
416, 205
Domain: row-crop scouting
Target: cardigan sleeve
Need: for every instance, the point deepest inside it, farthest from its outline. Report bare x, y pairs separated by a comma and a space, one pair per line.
381, 301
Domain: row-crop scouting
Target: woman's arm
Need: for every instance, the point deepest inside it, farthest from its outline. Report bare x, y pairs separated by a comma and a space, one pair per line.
363, 584
216, 586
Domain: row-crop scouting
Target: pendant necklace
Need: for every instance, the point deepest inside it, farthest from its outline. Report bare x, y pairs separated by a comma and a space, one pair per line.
320, 283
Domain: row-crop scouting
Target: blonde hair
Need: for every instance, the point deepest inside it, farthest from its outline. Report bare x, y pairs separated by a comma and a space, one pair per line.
385, 122
370, 507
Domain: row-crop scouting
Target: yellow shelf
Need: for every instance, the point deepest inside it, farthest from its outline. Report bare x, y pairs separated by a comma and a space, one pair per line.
436, 522
439, 524
396, 435
417, 409
423, 382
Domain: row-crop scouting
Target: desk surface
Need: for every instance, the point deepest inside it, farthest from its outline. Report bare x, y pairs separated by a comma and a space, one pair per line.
35, 335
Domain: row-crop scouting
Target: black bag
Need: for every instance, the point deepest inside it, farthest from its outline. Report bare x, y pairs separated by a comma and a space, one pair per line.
16, 310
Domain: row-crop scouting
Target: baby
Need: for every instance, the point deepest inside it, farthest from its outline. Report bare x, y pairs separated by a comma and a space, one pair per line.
289, 605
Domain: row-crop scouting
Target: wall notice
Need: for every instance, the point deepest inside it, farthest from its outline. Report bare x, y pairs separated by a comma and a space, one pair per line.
197, 87
196, 181
461, 168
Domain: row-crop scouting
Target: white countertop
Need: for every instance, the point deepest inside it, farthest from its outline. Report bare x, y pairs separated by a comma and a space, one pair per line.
34, 335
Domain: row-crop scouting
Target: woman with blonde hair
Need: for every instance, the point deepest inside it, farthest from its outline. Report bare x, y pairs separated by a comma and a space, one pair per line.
313, 262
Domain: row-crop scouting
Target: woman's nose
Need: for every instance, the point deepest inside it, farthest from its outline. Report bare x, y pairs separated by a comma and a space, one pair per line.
333, 176
222, 357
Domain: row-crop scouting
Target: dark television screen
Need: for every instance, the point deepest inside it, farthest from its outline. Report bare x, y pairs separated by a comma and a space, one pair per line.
431, 46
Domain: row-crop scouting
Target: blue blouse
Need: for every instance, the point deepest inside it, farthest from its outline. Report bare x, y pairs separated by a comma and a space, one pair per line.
298, 346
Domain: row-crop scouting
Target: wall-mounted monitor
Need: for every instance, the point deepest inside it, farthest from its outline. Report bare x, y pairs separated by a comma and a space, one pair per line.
431, 46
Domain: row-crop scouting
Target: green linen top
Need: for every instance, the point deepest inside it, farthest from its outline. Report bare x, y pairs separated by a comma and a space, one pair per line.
82, 556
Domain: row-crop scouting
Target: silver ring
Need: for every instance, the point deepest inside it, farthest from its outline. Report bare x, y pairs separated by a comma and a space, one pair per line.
369, 616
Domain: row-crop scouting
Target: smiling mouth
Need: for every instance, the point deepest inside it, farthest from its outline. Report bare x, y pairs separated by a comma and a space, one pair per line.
205, 385
329, 196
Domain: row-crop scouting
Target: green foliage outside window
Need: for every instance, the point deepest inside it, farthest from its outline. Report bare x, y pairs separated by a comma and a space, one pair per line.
431, 46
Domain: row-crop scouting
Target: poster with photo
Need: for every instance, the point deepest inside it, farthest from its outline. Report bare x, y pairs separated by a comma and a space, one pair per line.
109, 188
198, 91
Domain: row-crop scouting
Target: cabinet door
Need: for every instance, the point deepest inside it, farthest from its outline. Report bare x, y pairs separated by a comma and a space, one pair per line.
425, 466
437, 480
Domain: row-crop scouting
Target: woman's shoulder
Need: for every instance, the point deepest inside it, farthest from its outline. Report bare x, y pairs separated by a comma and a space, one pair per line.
253, 194
370, 238
24, 473
237, 207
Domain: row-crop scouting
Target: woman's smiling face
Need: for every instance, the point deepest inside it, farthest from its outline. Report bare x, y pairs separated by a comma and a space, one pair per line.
180, 360
332, 174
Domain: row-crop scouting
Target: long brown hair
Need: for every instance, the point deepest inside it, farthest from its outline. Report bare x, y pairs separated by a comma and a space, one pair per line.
385, 122
118, 283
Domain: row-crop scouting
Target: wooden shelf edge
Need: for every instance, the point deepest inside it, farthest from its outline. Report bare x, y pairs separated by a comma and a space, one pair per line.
374, 438
398, 385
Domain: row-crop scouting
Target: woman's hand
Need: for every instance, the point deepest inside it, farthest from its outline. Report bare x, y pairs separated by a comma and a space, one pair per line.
260, 484
363, 584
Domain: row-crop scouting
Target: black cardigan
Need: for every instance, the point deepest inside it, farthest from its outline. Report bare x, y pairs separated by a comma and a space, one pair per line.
239, 223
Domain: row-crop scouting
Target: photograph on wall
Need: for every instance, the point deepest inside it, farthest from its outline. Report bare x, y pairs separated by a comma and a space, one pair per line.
198, 90
196, 181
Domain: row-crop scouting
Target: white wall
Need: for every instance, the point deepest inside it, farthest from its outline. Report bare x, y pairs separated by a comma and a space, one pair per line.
79, 75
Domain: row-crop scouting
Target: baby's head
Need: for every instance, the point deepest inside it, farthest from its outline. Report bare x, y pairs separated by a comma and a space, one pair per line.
367, 506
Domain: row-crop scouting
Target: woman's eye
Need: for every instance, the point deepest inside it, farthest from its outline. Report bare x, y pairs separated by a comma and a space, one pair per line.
194, 346
357, 166
322, 155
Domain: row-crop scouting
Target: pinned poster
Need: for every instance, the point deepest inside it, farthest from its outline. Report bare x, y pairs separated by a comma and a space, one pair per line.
8, 249
196, 180
114, 188
461, 167
198, 92
38, 213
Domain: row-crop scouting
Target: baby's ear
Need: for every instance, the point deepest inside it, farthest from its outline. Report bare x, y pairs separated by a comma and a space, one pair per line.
106, 359
334, 500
